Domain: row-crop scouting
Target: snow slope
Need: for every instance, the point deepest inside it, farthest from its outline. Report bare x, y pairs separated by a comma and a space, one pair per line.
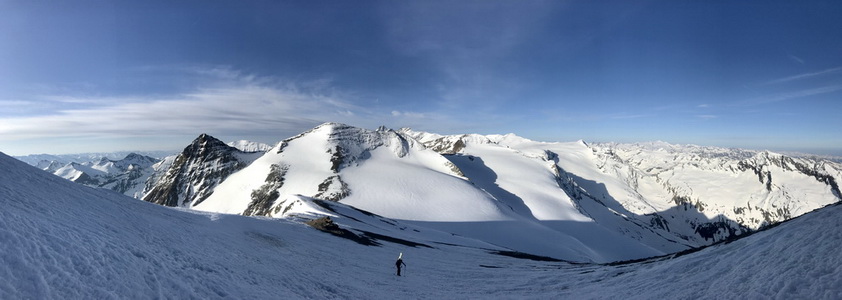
390, 174
62, 240
689, 195
571, 201
378, 171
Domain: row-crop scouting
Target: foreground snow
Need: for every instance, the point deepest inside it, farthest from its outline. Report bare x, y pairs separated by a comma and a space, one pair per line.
62, 240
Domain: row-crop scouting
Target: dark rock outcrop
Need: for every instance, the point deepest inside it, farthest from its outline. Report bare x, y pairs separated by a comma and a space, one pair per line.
195, 172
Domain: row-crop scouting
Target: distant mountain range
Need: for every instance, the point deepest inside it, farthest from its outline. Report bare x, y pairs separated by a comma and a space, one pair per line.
573, 201
126, 176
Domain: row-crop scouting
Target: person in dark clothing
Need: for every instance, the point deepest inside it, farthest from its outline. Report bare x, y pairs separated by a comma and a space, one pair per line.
399, 263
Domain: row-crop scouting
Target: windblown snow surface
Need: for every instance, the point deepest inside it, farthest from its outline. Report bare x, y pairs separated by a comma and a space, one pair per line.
61, 240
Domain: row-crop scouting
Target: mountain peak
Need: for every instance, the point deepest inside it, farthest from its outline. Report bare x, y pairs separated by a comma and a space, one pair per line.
133, 155
206, 143
195, 172
249, 146
135, 159
204, 137
331, 126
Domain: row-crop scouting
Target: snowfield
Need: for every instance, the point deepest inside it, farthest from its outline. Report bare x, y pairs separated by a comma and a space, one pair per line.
61, 240
572, 201
506, 197
580, 202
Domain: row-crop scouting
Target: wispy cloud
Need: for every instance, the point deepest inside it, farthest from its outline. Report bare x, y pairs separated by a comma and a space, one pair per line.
245, 105
623, 116
11, 108
803, 76
408, 114
597, 117
233, 111
796, 59
791, 95
12, 104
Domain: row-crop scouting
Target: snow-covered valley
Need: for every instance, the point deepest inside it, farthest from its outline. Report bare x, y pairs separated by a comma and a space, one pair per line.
64, 240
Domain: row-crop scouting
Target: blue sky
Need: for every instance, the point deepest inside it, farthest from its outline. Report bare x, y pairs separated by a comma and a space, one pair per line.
92, 76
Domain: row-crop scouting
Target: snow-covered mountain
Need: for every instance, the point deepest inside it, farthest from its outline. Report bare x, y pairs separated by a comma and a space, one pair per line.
572, 201
695, 195
127, 175
43, 160
61, 240
249, 146
391, 174
753, 188
190, 177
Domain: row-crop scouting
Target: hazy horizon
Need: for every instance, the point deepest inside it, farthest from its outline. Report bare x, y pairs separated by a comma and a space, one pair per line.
816, 152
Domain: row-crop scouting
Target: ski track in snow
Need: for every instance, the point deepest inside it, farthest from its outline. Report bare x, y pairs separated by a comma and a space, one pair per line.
60, 240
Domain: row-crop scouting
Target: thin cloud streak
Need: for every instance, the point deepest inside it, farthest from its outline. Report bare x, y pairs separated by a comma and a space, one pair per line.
790, 96
240, 105
796, 59
7, 105
624, 116
236, 111
803, 76
226, 111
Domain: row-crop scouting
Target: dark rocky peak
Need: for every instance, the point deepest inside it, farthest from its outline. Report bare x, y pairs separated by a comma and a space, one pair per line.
195, 172
139, 157
447, 146
205, 144
134, 159
135, 156
50, 166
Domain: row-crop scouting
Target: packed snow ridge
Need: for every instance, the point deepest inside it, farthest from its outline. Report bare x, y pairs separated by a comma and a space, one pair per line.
62, 240
571, 201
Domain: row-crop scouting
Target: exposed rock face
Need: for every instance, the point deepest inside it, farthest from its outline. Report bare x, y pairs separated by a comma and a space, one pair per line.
264, 198
327, 225
446, 145
195, 172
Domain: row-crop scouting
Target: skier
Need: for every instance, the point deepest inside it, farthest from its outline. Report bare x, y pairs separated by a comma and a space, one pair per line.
399, 263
